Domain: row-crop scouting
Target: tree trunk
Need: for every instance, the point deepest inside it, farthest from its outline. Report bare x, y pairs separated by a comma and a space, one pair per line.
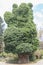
23, 58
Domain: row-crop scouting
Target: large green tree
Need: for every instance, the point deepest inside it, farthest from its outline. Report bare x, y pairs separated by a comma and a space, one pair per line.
21, 35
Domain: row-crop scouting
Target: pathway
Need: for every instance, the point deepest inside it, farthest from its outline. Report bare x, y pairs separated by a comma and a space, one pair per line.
38, 63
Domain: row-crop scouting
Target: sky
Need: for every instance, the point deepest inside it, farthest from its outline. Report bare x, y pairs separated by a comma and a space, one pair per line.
6, 5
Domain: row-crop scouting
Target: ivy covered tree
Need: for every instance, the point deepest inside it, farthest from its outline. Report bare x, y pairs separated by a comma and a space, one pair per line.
21, 36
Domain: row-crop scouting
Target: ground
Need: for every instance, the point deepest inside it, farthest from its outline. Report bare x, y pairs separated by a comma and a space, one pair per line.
40, 62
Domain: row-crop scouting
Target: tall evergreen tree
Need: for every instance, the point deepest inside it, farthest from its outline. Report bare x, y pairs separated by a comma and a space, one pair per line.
21, 35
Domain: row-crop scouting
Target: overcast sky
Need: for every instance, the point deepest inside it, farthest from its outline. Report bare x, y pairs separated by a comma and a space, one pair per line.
6, 5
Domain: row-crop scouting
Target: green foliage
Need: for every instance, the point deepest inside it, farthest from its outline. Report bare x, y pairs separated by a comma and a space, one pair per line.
21, 35
1, 32
38, 53
9, 57
30, 5
32, 57
3, 54
1, 29
15, 5
8, 16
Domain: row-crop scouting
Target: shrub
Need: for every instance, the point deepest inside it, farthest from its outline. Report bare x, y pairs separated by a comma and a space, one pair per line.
38, 53
12, 58
32, 57
3, 54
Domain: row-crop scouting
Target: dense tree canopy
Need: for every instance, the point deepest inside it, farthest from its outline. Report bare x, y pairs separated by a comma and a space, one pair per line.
21, 35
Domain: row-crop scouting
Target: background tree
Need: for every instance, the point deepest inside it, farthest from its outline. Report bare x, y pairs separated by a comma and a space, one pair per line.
21, 35
1, 30
1, 35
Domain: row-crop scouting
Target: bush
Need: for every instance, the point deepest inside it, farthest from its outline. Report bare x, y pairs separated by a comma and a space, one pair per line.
38, 53
12, 58
3, 54
32, 57
9, 57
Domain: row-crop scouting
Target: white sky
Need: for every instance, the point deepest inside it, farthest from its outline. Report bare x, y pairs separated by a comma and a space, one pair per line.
6, 5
